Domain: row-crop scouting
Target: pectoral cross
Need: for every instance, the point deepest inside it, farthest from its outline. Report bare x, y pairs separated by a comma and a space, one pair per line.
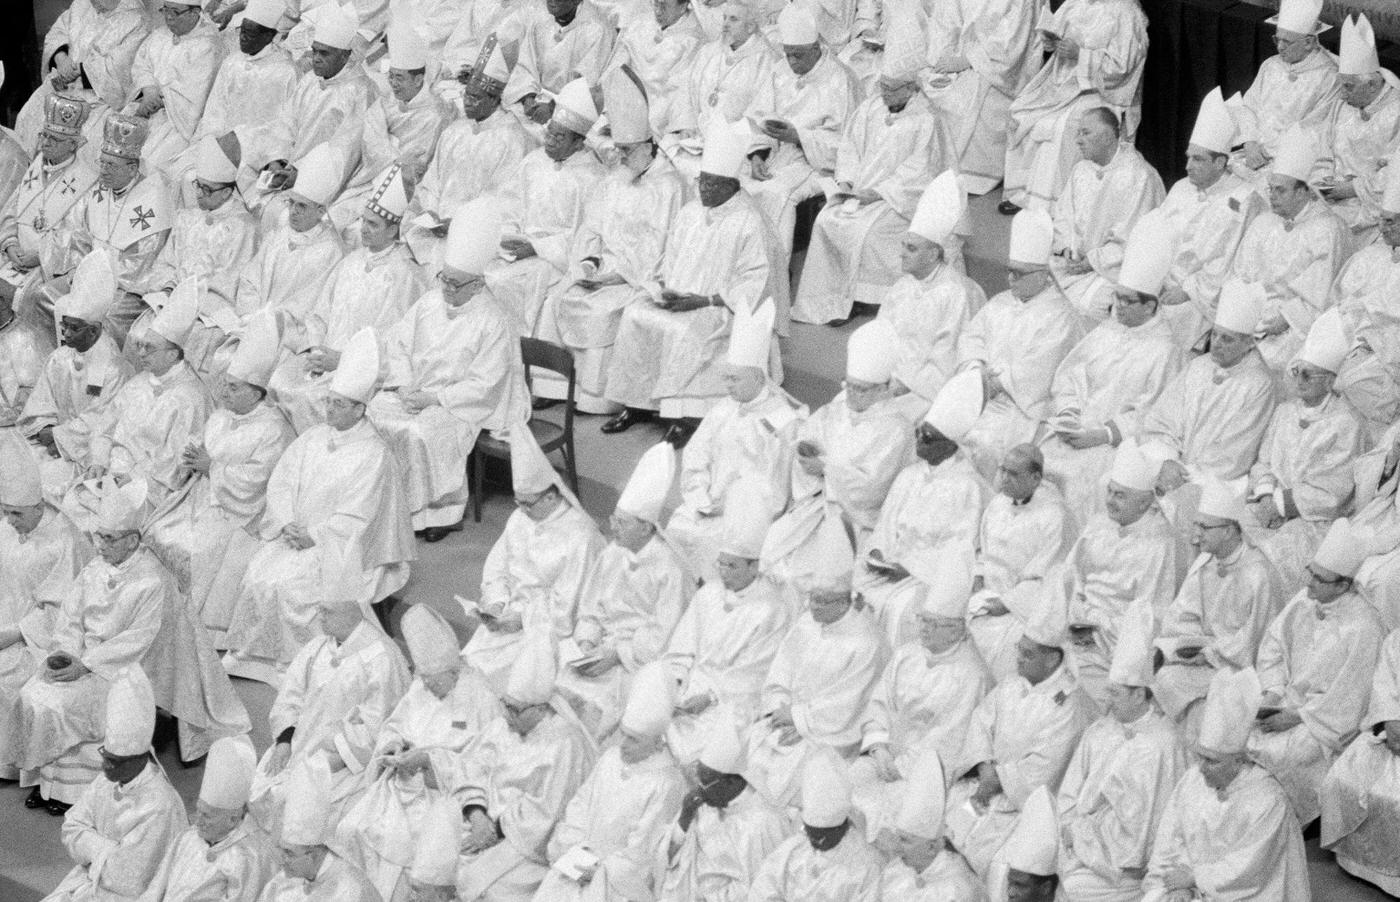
142, 217
69, 185
29, 179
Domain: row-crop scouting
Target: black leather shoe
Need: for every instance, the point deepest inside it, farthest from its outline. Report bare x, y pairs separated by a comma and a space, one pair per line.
629, 417
678, 434
860, 308
1007, 208
438, 533
57, 808
35, 799
544, 403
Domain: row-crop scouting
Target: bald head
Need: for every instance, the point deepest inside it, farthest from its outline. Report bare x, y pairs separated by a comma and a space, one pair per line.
1020, 473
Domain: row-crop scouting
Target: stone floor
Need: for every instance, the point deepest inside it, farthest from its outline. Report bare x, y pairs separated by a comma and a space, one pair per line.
32, 859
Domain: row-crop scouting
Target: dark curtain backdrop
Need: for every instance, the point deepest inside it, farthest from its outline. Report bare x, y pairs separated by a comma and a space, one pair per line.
1194, 46
19, 48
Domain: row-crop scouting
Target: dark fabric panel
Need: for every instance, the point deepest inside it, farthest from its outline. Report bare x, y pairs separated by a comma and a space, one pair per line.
1161, 114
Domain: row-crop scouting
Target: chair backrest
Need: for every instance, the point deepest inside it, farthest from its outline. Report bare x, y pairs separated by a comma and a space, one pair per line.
548, 356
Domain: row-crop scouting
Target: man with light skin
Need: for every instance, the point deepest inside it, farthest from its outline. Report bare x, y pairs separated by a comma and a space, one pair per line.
373, 287
1293, 251
1211, 417
129, 215
477, 156
1316, 662
1024, 533
552, 189
296, 257
931, 303
311, 872
623, 811
660, 48
1209, 212
335, 502
1109, 190
454, 372
1116, 787
1021, 738
223, 854
400, 128
1303, 479
1225, 604
891, 148
172, 75
1124, 555
1296, 86
725, 642
1228, 826
34, 222
87, 53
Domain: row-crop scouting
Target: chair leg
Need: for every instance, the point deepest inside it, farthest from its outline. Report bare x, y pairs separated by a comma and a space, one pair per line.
569, 463
476, 464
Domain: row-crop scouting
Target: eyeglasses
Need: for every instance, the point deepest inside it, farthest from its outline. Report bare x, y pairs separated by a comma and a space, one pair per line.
1017, 275
453, 284
1313, 576
204, 189
1297, 372
1205, 526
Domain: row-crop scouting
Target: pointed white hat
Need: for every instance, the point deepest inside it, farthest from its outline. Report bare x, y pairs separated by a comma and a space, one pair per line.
1343, 549
1133, 469
1390, 201
1224, 500
922, 802
267, 13
496, 72
748, 514
228, 773
93, 288
574, 107
947, 593
1240, 306
904, 57
1297, 154
724, 750
1048, 623
407, 49
534, 670
121, 508
941, 207
335, 26
625, 104
20, 484
726, 147
213, 165
390, 195
833, 554
644, 495
176, 319
530, 470
1299, 17
439, 839
751, 336
1215, 129
258, 349
1032, 235
432, 645
1148, 256
826, 790
651, 701
1132, 656
340, 584
870, 352
473, 237
1229, 711
1358, 56
306, 817
1034, 844
1327, 344
131, 713
357, 376
320, 174
958, 405
797, 26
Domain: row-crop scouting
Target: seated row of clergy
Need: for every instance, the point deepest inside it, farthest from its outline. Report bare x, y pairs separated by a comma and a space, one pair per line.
76, 620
